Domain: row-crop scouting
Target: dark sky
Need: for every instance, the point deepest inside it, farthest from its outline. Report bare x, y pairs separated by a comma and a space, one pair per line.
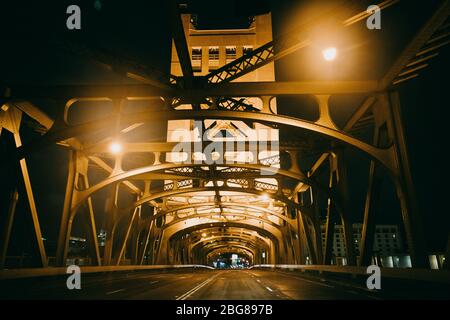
33, 52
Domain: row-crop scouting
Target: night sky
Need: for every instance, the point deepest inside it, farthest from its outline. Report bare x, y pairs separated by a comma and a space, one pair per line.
33, 52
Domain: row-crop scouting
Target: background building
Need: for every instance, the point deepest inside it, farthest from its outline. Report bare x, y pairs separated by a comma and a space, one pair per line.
388, 245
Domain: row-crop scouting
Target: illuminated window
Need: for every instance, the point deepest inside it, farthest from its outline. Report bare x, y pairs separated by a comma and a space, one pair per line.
230, 54
213, 58
197, 59
247, 49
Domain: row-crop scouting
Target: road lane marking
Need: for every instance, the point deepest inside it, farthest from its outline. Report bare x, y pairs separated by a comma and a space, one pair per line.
152, 282
115, 291
257, 280
319, 283
269, 289
196, 288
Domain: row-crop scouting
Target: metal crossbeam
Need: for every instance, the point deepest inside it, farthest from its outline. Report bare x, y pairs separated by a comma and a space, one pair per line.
406, 66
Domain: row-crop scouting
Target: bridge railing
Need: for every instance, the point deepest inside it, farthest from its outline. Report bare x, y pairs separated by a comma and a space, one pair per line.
440, 276
46, 272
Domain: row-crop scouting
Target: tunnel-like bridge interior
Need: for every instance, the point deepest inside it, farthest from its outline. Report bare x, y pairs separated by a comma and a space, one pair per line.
208, 160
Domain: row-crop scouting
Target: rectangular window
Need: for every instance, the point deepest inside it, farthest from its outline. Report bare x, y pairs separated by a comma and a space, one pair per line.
197, 59
213, 58
230, 53
247, 49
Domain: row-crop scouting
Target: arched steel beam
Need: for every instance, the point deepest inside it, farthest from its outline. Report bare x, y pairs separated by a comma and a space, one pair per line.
251, 241
223, 204
230, 231
206, 215
383, 156
144, 199
207, 225
217, 251
81, 196
228, 246
217, 243
123, 175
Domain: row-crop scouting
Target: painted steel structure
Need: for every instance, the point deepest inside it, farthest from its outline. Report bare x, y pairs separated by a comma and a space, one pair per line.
200, 207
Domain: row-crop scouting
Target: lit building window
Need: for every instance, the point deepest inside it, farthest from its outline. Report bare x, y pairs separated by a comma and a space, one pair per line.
213, 58
197, 59
230, 54
247, 49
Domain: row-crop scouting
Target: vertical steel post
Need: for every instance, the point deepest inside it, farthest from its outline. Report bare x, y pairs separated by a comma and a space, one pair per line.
346, 219
372, 202
111, 221
317, 227
127, 235
147, 239
405, 188
71, 177
331, 217
32, 204
93, 227
8, 227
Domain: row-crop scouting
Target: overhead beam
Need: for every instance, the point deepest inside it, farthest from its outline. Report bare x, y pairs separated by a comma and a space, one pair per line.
29, 92
438, 17
272, 88
179, 39
299, 37
124, 67
140, 91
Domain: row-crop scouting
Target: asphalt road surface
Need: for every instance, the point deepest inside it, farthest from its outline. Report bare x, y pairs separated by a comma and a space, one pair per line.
188, 285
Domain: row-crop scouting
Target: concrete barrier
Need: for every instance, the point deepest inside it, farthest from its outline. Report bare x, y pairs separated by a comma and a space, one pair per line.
440, 276
46, 272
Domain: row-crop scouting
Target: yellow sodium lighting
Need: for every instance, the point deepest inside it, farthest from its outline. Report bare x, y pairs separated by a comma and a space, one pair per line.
329, 54
115, 147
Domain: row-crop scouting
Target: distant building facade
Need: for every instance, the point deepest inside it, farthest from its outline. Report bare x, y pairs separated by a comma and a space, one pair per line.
388, 247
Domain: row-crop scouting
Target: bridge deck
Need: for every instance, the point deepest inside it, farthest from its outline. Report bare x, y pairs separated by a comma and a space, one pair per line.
211, 284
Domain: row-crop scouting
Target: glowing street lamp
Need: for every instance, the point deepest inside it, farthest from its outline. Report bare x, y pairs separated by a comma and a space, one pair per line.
329, 54
115, 147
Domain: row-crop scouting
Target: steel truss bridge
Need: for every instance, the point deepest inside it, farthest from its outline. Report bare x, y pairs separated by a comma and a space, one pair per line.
189, 212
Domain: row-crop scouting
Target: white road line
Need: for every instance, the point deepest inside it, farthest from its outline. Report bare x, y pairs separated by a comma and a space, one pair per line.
269, 289
152, 282
258, 280
115, 291
310, 281
352, 292
196, 288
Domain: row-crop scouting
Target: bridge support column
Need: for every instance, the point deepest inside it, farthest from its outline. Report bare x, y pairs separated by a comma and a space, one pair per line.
11, 121
111, 224
317, 227
92, 228
123, 246
331, 218
329, 234
6, 235
346, 218
77, 178
62, 238
371, 207
146, 242
404, 184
